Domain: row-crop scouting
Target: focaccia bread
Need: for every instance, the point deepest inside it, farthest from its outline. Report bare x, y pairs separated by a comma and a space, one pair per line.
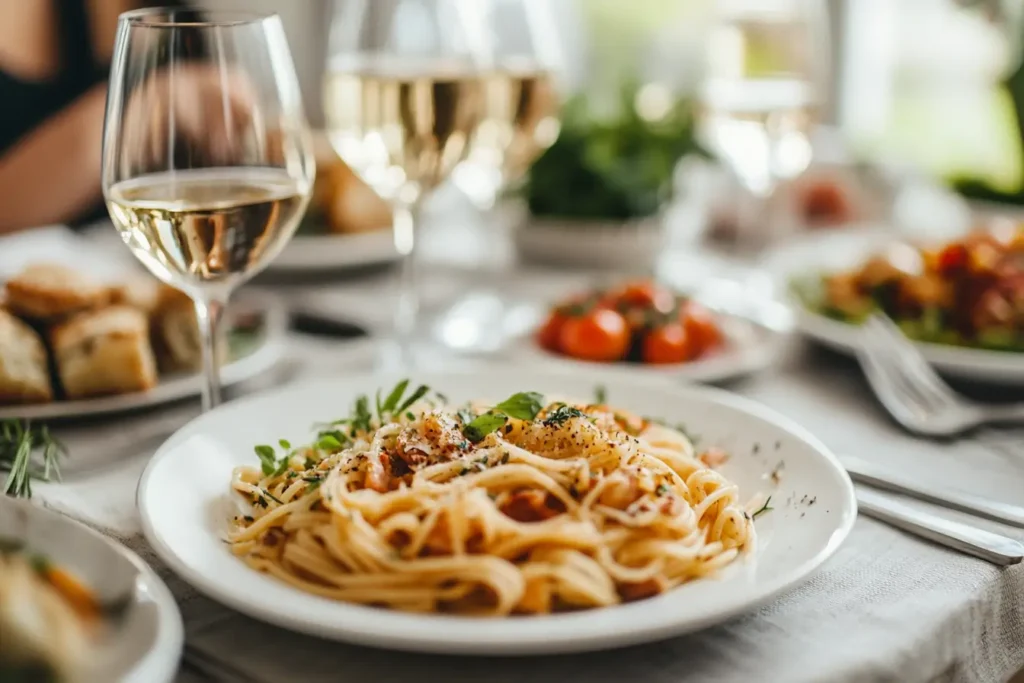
176, 338
104, 352
24, 373
49, 291
143, 292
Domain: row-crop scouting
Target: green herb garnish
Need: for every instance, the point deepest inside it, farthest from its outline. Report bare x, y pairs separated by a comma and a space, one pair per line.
522, 406
662, 489
600, 395
561, 414
483, 425
271, 465
18, 442
764, 508
328, 442
420, 392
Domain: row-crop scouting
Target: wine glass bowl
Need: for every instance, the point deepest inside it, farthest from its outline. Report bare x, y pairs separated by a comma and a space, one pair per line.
521, 97
207, 157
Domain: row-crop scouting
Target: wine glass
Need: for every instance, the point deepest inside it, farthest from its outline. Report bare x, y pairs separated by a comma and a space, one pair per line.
207, 156
521, 99
403, 98
766, 77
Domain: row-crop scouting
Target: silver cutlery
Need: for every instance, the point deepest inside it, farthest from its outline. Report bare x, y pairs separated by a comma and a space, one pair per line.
880, 477
913, 392
986, 545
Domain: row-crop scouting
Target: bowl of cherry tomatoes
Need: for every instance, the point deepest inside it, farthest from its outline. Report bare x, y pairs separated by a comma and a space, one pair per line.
640, 322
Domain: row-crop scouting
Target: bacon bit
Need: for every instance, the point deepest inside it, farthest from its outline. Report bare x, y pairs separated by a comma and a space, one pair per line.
714, 457
532, 505
645, 589
273, 537
399, 538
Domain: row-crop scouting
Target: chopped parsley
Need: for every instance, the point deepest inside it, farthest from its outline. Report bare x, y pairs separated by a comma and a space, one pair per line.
562, 413
662, 489
269, 462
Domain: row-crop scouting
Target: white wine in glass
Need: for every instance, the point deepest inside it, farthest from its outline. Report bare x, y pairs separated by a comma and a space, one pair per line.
207, 157
767, 60
403, 99
521, 97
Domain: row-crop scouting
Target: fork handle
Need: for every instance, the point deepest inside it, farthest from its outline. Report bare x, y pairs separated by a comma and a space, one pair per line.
1011, 413
988, 546
880, 477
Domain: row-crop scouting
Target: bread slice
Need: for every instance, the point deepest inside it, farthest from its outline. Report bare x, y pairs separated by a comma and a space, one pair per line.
143, 292
176, 338
50, 291
24, 372
105, 352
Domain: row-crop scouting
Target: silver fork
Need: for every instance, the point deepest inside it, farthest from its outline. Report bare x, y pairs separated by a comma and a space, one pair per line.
913, 392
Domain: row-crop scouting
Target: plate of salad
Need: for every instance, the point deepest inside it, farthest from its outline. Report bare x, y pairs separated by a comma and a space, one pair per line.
961, 300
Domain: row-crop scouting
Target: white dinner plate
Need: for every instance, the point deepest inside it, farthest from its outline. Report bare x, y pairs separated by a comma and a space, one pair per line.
845, 249
319, 253
185, 505
254, 357
146, 642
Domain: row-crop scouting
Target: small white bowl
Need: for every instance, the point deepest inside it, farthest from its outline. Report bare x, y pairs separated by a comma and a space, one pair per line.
630, 245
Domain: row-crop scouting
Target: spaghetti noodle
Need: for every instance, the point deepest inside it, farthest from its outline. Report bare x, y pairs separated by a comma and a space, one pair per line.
528, 507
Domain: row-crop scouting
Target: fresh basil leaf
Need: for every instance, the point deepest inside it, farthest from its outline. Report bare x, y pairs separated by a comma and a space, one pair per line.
522, 406
483, 425
328, 442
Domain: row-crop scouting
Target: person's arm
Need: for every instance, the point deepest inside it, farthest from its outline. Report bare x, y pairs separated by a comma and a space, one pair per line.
52, 174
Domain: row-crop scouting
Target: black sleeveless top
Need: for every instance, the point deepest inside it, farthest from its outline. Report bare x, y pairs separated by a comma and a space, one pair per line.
29, 103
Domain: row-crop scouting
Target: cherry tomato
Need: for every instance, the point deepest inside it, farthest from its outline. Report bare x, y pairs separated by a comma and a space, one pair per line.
953, 257
600, 335
668, 344
701, 327
643, 294
549, 335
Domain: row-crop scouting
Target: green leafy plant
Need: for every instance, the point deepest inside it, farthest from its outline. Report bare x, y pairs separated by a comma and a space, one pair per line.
614, 169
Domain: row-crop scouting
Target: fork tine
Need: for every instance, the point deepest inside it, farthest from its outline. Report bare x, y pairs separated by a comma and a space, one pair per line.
881, 377
918, 372
878, 341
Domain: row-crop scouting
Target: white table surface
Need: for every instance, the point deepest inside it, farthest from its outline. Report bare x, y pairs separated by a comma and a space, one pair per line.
887, 607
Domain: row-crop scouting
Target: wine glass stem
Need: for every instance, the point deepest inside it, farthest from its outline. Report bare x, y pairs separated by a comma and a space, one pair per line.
209, 312
406, 218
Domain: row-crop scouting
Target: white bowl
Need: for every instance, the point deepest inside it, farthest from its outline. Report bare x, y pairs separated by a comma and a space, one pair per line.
614, 245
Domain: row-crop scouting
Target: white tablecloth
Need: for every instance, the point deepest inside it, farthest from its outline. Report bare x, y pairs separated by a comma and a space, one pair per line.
887, 607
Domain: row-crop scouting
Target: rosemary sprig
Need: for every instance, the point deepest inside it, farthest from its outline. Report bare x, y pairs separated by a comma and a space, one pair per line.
19, 441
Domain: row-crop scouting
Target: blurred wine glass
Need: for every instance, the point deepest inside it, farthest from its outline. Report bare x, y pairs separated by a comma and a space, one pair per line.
521, 101
207, 157
403, 99
767, 63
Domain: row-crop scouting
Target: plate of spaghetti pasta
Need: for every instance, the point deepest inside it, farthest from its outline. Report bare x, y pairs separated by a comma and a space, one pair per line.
494, 512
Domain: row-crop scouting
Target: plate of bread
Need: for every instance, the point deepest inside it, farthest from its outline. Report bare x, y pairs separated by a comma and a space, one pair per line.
347, 224
73, 344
